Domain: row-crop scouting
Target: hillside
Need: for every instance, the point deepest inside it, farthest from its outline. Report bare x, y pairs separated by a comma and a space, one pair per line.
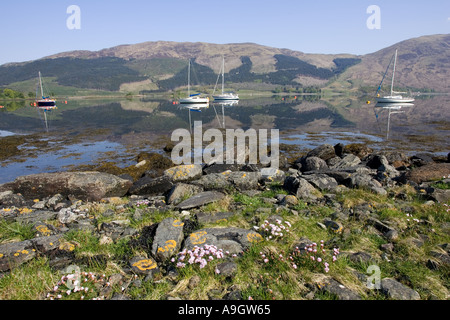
422, 63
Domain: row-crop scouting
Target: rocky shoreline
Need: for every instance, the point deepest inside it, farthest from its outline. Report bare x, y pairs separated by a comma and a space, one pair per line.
159, 219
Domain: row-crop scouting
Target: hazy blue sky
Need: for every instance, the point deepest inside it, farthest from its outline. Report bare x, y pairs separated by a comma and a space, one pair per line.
32, 29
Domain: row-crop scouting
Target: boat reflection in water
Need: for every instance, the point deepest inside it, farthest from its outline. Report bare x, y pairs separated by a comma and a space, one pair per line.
45, 110
392, 108
223, 104
194, 107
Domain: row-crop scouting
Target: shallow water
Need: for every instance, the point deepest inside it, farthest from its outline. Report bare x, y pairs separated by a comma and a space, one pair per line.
83, 131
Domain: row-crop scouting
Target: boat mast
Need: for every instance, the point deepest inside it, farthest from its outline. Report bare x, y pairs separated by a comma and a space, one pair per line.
189, 78
393, 73
40, 83
223, 72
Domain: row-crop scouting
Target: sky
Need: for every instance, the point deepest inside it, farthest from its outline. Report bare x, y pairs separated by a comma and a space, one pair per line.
32, 29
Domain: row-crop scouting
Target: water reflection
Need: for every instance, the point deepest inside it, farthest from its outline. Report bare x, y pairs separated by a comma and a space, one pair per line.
391, 108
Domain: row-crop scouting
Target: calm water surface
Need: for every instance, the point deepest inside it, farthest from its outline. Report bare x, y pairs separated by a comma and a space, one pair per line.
82, 132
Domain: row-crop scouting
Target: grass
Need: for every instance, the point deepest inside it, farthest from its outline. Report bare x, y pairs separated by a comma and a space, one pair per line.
255, 278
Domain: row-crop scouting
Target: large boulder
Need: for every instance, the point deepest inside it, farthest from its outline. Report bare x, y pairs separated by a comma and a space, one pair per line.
184, 173
324, 152
429, 172
168, 238
88, 186
151, 186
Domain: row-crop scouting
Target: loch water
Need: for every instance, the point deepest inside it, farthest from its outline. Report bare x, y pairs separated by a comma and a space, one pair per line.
86, 131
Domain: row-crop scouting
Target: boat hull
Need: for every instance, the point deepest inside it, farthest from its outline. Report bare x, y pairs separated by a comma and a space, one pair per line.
226, 97
394, 99
46, 103
194, 100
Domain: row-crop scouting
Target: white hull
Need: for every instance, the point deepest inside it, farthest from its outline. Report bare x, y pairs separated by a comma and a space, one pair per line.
194, 100
229, 96
394, 99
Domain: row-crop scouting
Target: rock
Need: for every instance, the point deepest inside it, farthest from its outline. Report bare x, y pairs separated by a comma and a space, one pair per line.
15, 253
44, 230
334, 287
148, 185
321, 181
272, 175
203, 217
421, 159
68, 215
325, 152
366, 181
360, 257
54, 200
358, 149
301, 188
168, 237
9, 199
221, 167
440, 195
87, 186
374, 161
36, 216
428, 172
313, 164
395, 290
194, 281
227, 269
289, 200
391, 235
339, 149
334, 226
143, 265
200, 199
183, 173
234, 240
222, 181
348, 161
180, 191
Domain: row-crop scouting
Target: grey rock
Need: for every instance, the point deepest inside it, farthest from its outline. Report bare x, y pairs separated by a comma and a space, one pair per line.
221, 167
148, 185
168, 237
183, 173
325, 152
321, 181
180, 191
89, 185
143, 265
200, 199
36, 216
15, 253
204, 217
314, 164
334, 287
234, 240
301, 188
360, 257
333, 225
227, 269
398, 291
348, 161
272, 175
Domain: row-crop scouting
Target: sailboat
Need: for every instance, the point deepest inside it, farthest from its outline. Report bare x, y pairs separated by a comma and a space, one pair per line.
44, 102
224, 95
394, 96
193, 98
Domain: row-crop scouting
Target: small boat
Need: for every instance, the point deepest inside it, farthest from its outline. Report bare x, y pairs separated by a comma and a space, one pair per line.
192, 98
44, 102
394, 96
224, 95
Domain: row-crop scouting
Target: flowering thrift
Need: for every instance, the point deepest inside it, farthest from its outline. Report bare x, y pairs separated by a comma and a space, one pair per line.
274, 231
199, 255
313, 257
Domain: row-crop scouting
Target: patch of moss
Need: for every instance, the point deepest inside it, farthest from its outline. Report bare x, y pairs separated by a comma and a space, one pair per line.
9, 146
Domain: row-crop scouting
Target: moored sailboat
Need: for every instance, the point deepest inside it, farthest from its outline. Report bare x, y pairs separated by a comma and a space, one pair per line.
43, 102
224, 95
192, 98
393, 97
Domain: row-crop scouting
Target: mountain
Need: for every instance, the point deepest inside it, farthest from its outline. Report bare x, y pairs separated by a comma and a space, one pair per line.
422, 62
162, 65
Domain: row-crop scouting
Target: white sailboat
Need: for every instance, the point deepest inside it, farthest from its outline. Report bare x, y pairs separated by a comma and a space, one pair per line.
394, 96
193, 98
224, 95
44, 102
